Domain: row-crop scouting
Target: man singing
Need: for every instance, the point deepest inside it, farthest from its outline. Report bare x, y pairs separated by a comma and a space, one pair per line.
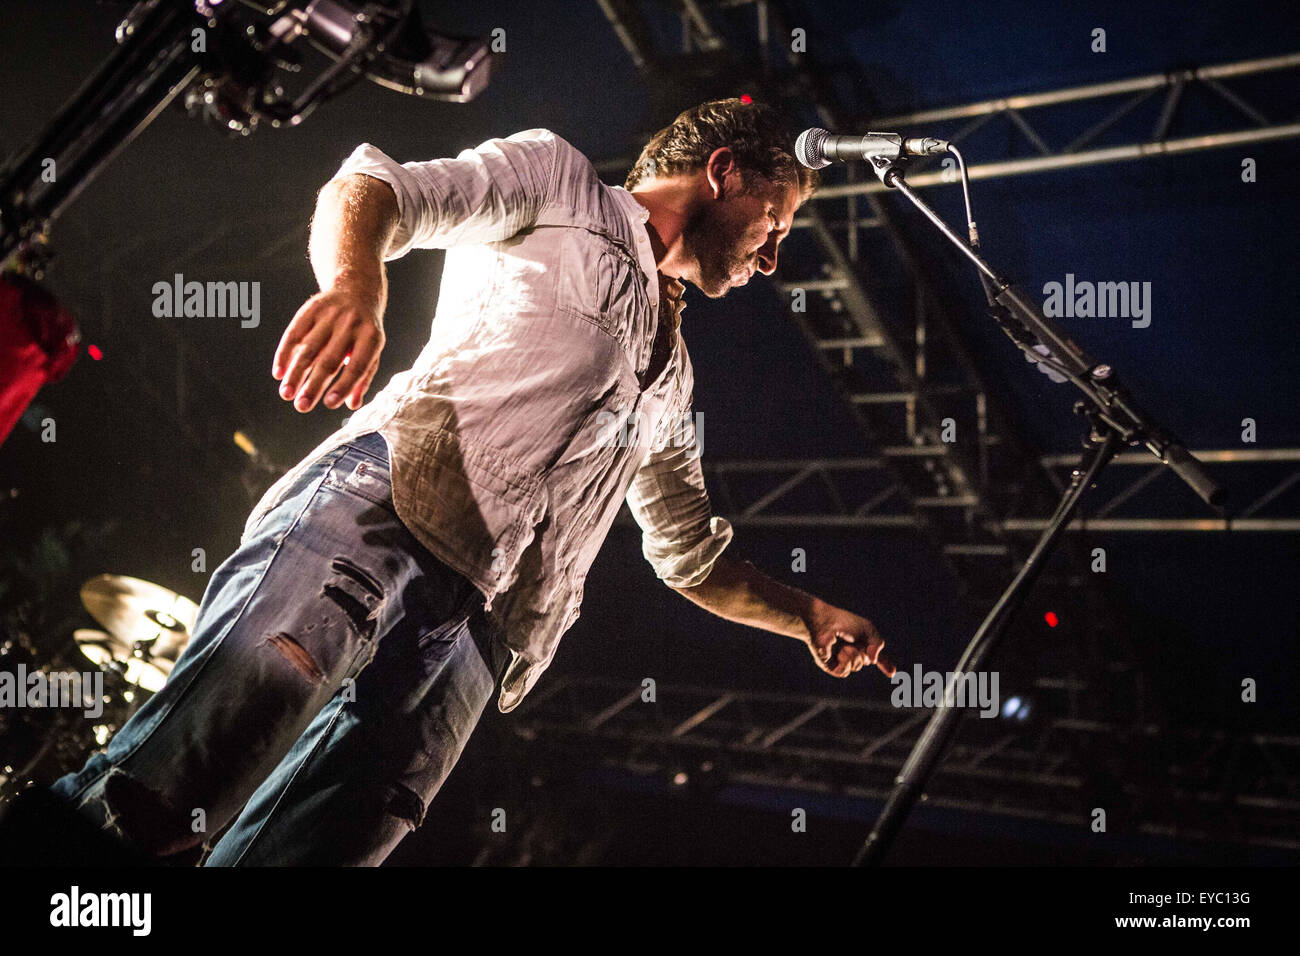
435, 547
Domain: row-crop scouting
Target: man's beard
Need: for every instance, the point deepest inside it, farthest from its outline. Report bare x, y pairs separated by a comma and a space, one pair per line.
704, 236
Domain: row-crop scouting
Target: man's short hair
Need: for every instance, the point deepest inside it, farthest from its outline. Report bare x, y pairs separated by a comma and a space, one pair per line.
753, 131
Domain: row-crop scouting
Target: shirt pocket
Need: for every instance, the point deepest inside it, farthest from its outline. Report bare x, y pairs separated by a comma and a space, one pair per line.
600, 282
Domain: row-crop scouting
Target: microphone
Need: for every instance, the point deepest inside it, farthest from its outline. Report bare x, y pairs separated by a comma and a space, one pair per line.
816, 148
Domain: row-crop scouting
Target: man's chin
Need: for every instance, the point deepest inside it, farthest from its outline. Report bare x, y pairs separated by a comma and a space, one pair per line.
715, 289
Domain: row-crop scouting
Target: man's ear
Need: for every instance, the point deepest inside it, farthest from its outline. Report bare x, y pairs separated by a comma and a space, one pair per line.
721, 172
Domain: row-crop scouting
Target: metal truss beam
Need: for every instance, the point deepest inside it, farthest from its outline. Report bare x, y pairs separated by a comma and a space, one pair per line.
1164, 781
1175, 85
1138, 84
1038, 164
861, 493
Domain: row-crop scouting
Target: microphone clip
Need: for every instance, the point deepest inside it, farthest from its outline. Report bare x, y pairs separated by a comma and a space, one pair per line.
886, 155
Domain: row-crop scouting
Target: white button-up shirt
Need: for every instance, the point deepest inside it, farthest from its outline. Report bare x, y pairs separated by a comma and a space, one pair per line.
549, 391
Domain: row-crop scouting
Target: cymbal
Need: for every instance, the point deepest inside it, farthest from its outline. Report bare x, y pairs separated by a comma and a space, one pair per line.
113, 654
146, 628
139, 612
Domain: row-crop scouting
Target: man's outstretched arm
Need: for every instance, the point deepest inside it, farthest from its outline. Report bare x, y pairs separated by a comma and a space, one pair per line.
737, 591
350, 232
375, 210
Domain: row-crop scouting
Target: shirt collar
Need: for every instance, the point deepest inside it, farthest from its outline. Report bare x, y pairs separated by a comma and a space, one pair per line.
673, 289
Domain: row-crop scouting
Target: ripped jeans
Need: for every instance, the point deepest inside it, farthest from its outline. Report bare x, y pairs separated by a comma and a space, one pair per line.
334, 675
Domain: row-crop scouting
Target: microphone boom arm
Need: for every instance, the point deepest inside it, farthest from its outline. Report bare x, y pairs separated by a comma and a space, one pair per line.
1097, 381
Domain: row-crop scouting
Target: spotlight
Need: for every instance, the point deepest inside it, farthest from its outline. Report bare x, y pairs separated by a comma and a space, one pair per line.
1016, 708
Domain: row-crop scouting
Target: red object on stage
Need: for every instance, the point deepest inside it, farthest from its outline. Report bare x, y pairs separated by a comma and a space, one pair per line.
38, 344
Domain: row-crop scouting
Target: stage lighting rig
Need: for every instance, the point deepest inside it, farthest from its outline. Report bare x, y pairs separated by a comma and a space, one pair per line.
225, 59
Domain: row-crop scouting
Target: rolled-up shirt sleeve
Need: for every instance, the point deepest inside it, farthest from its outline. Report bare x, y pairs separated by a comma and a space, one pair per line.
485, 194
680, 536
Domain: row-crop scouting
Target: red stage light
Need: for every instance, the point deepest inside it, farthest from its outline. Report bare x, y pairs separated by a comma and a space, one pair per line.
94, 352
1051, 618
746, 98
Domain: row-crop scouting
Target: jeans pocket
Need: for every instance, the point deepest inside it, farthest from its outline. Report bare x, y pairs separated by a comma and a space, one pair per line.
364, 478
434, 646
464, 602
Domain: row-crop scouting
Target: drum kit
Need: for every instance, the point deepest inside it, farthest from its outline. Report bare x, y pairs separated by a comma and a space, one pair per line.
144, 629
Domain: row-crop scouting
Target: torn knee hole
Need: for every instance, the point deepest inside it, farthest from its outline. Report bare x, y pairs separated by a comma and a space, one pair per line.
146, 817
357, 613
297, 655
345, 567
357, 593
405, 805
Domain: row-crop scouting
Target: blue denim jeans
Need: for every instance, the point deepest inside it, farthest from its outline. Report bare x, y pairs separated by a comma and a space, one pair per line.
334, 675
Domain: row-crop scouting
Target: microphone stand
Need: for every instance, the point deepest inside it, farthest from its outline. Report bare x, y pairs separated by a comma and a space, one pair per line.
1113, 418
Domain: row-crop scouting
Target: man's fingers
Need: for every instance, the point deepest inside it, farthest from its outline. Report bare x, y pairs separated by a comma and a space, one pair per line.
301, 358
844, 661
328, 364
334, 338
359, 390
302, 322
825, 644
342, 385
362, 363
841, 651
874, 647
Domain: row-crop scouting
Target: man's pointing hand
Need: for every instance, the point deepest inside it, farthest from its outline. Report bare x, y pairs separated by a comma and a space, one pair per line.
842, 642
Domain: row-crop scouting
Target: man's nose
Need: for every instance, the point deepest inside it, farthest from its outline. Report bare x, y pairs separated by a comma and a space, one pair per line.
767, 259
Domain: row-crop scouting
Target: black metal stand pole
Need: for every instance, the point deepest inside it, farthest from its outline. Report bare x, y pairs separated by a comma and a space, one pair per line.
1116, 419
925, 756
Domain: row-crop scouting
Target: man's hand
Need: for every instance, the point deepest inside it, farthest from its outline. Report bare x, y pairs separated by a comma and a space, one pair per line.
842, 642
335, 333
340, 331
